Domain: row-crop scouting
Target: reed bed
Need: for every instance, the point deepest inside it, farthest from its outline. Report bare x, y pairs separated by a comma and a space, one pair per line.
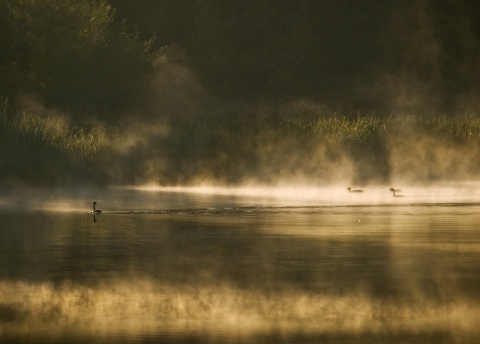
46, 148
460, 128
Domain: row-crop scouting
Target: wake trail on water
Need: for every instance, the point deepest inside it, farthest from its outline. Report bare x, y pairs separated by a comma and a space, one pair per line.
272, 210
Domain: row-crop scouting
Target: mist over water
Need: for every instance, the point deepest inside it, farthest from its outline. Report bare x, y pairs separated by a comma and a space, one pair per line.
253, 264
238, 149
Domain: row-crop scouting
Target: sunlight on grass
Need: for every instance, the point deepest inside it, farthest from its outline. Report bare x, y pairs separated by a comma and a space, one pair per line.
46, 147
240, 149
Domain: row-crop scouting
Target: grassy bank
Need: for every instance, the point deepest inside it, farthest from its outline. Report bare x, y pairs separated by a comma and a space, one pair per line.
46, 148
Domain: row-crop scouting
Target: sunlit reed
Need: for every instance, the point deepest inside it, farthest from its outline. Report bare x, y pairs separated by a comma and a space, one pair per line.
240, 148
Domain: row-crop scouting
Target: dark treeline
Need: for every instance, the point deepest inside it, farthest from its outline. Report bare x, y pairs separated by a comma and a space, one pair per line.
370, 55
181, 91
71, 54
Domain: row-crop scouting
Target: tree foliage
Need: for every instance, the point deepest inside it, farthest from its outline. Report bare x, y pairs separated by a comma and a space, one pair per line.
369, 55
352, 55
70, 52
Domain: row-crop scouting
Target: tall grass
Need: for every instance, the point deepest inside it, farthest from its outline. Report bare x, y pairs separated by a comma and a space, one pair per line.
46, 148
38, 148
460, 128
424, 147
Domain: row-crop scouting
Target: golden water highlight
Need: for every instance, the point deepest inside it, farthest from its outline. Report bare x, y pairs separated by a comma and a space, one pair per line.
148, 306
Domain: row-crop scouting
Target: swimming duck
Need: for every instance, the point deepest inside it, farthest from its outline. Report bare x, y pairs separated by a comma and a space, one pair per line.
95, 211
392, 190
349, 189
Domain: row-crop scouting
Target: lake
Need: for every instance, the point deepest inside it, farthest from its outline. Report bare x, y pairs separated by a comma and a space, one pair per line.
240, 265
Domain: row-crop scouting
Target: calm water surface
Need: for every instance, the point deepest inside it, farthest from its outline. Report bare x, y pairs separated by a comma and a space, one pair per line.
245, 265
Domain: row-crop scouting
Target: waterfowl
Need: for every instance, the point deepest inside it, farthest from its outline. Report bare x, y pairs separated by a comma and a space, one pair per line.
392, 190
95, 211
349, 189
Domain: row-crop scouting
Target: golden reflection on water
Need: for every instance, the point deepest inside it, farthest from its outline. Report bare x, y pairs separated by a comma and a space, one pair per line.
146, 306
226, 269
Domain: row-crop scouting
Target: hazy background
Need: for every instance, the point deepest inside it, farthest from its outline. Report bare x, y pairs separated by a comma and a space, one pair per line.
235, 92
